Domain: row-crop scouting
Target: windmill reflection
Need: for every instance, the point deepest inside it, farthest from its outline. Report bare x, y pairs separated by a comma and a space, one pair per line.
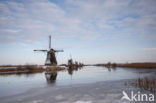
71, 69
51, 77
111, 68
73, 66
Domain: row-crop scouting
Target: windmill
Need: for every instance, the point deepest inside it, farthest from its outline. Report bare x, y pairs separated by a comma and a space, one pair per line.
51, 58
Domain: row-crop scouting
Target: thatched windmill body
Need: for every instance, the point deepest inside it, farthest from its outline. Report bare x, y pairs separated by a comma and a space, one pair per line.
51, 58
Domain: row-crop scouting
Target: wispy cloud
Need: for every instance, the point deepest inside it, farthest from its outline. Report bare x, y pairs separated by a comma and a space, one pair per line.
109, 27
150, 49
85, 20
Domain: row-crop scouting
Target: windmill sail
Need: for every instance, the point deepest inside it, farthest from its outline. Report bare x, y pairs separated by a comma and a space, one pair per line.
48, 62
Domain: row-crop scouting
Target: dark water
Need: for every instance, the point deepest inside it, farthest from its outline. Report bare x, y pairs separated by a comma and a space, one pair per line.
14, 84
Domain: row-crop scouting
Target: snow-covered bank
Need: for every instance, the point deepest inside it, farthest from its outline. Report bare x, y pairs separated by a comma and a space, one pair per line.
100, 92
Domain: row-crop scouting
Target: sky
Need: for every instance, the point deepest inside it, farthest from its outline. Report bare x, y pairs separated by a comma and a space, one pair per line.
91, 31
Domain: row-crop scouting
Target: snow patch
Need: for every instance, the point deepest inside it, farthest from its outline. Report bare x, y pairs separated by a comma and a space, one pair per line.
36, 101
59, 97
83, 102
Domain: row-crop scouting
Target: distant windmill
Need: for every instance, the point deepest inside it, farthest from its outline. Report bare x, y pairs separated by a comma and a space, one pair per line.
51, 58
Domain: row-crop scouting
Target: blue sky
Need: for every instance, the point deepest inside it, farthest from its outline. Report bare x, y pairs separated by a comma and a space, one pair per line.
92, 31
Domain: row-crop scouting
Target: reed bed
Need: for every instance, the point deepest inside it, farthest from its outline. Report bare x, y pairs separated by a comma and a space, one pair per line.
54, 68
31, 68
146, 84
22, 69
138, 65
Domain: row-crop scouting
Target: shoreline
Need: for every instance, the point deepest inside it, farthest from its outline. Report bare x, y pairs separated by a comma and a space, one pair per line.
145, 65
28, 69
24, 69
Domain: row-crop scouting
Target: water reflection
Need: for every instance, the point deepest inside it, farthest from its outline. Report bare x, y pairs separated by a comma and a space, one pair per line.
86, 74
72, 69
51, 74
110, 68
19, 74
51, 77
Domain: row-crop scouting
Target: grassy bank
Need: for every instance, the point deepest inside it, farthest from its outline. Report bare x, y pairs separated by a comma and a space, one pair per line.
54, 68
21, 69
137, 65
127, 65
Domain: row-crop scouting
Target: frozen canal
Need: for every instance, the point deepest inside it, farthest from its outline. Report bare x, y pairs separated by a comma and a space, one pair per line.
87, 85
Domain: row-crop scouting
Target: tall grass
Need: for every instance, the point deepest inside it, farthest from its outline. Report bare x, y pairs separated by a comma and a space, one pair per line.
30, 68
146, 83
22, 69
138, 65
54, 68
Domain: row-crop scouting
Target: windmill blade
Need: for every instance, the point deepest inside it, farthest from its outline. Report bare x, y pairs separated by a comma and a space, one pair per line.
41, 50
50, 42
59, 51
